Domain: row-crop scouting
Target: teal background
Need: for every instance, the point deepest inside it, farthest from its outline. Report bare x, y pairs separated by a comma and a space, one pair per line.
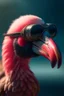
51, 80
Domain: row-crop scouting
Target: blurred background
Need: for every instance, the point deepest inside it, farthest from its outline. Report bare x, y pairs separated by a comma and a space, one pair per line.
51, 11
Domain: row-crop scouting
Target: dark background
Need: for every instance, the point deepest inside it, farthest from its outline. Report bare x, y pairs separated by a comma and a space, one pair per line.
51, 80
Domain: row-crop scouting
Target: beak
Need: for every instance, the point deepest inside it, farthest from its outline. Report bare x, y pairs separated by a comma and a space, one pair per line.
48, 49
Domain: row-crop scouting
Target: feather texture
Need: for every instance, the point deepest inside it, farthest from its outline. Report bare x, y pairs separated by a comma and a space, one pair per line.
22, 81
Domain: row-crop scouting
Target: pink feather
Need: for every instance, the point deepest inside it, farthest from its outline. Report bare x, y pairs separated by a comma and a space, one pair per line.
8, 55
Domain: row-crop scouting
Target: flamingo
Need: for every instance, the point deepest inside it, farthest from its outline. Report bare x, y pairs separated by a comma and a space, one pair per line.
28, 36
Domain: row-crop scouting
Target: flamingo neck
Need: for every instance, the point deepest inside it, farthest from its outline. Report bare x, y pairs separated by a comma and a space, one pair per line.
18, 65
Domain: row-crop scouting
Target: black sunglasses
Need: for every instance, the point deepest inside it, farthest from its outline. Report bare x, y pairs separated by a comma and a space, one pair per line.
35, 31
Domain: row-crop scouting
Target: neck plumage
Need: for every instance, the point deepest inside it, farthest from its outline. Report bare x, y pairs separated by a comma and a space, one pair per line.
18, 74
10, 60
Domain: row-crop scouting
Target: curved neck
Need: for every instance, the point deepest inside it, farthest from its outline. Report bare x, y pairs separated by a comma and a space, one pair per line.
10, 59
20, 64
